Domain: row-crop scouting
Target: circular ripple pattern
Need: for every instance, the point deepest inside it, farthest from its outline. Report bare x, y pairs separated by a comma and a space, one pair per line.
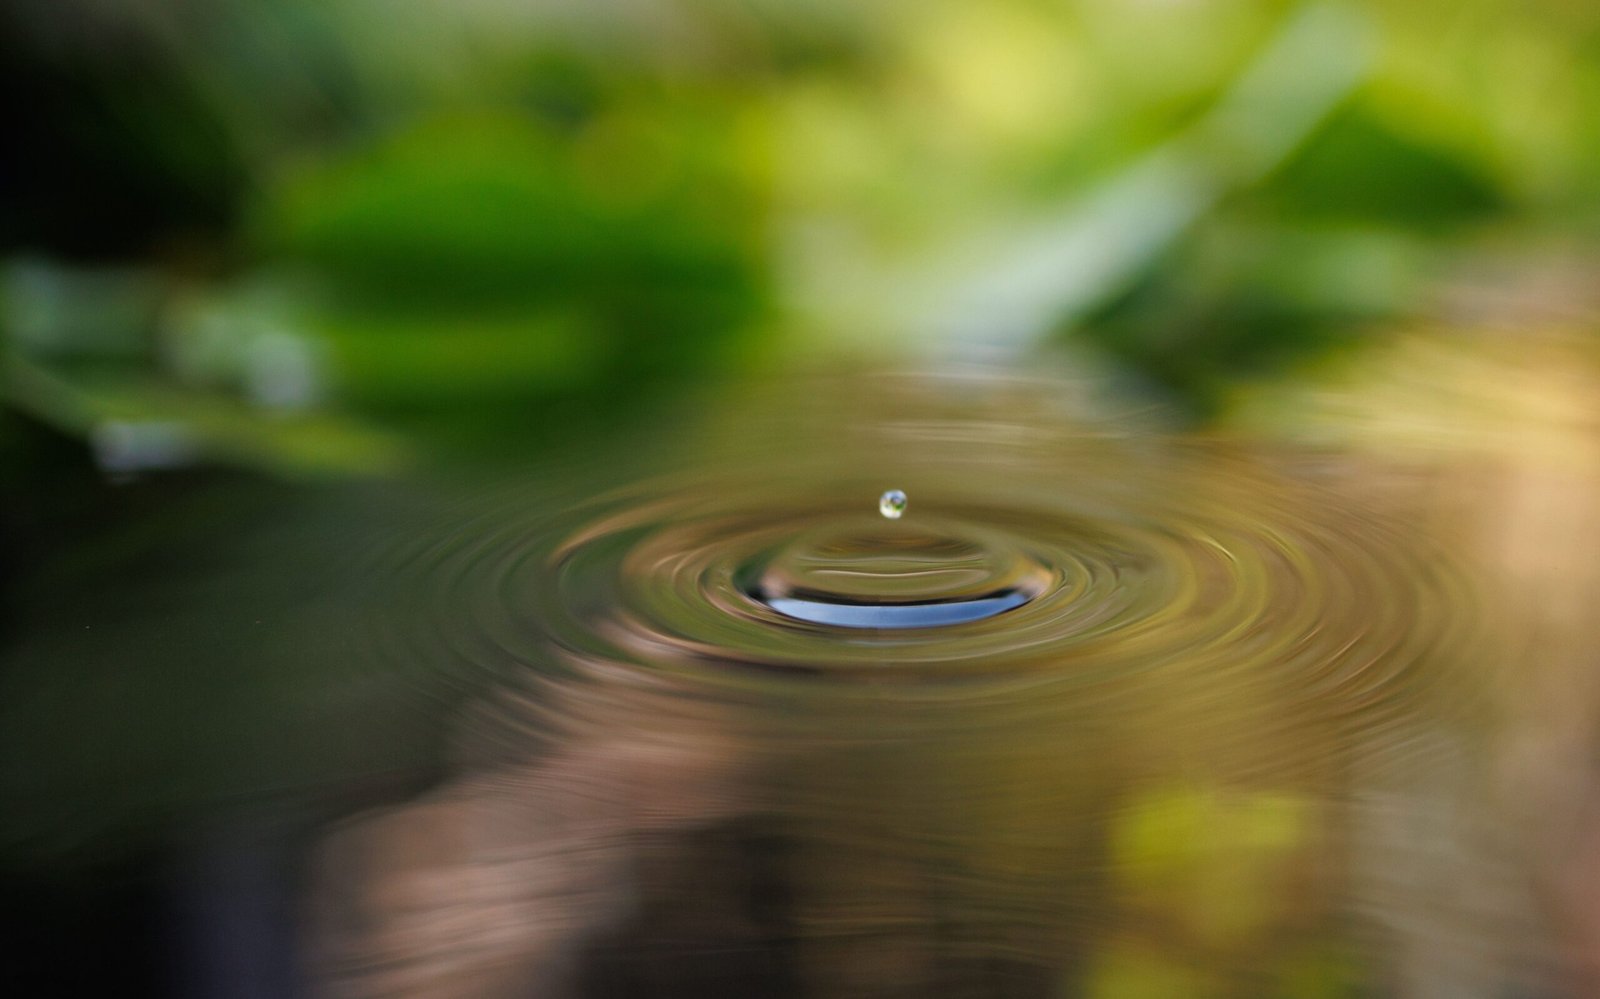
1214, 570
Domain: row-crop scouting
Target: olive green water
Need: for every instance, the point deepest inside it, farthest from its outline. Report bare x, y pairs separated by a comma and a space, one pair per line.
1227, 727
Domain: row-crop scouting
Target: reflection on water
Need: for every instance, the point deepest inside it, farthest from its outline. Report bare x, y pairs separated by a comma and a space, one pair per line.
741, 751
1109, 713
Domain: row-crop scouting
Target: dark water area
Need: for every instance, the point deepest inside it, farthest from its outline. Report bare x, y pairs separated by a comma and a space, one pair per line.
1109, 711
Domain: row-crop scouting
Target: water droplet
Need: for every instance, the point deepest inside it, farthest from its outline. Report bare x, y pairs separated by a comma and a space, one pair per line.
892, 504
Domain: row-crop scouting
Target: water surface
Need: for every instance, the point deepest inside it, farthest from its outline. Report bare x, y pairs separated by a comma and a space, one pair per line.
1108, 711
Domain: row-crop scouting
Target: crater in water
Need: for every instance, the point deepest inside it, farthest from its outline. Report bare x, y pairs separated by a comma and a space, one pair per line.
853, 576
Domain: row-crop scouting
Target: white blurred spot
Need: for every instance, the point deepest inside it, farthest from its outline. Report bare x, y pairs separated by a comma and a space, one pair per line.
125, 447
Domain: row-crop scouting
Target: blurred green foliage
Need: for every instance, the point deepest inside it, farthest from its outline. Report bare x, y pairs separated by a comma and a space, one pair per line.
429, 223
474, 260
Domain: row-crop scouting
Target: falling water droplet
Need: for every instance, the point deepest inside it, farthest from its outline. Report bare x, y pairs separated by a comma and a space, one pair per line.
892, 504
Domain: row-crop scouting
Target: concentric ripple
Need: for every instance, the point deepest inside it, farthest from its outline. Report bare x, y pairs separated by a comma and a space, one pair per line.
1212, 569
1038, 551
980, 723
807, 586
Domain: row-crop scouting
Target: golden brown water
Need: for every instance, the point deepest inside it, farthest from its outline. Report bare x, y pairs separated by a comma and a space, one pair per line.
1305, 710
1205, 753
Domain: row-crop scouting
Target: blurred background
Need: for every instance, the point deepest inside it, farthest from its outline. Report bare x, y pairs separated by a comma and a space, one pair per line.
274, 274
314, 238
